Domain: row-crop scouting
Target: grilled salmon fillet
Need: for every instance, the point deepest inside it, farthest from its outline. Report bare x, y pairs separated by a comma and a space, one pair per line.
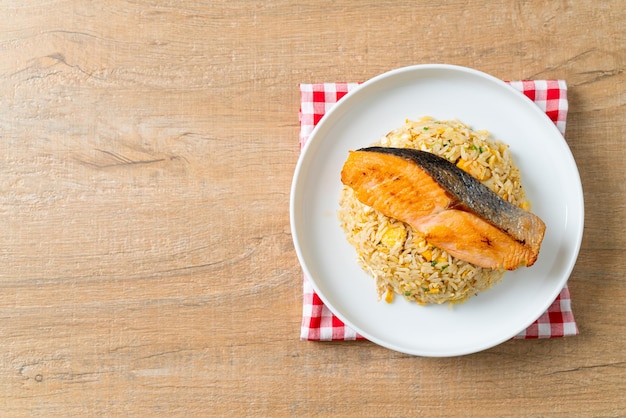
452, 209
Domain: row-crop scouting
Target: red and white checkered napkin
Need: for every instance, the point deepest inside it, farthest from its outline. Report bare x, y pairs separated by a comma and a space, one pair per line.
318, 322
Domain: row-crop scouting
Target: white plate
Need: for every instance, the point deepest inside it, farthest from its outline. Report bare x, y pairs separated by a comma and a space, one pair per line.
549, 175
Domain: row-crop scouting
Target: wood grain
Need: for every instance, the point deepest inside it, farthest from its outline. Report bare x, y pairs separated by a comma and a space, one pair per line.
147, 149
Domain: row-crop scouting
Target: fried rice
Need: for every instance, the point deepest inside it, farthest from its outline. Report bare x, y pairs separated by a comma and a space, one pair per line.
400, 259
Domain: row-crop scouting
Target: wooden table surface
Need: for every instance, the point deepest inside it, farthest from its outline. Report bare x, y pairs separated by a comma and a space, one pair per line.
146, 260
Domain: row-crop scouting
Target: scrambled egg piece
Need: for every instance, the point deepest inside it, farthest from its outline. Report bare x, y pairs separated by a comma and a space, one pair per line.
394, 236
389, 295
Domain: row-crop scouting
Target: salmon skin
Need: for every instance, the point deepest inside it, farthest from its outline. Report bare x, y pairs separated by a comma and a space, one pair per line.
452, 209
